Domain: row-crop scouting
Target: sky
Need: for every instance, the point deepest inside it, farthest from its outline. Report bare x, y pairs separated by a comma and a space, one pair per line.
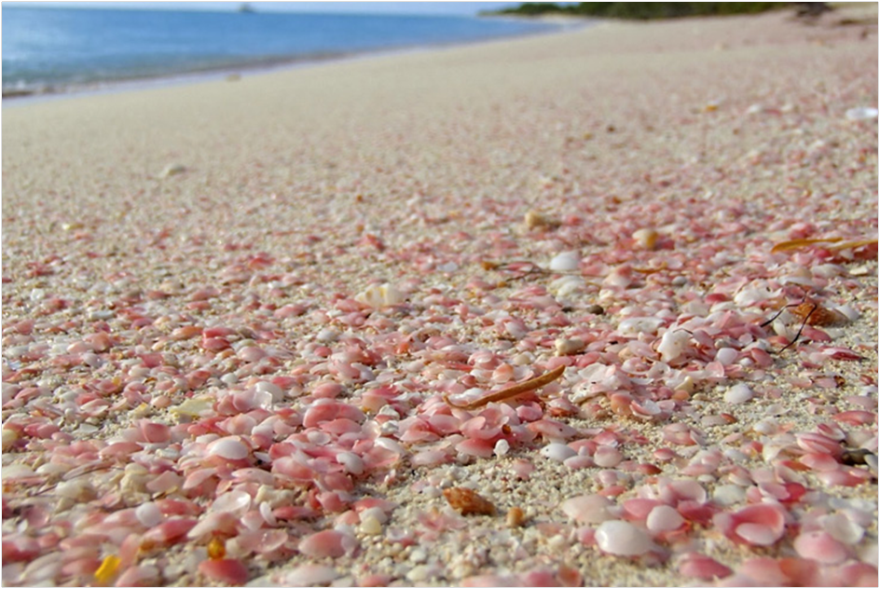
447, 8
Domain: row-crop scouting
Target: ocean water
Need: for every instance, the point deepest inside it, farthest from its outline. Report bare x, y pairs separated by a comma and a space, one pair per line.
64, 49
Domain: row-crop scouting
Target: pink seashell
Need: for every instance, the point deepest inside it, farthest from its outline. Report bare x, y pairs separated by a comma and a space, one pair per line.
539, 578
552, 430
702, 567
374, 580
700, 513
154, 433
795, 572
478, 428
820, 546
170, 532
430, 458
323, 410
476, 447
844, 477
855, 417
293, 468
231, 572
119, 449
223, 522
522, 469
340, 426
637, 509
444, 424
820, 462
310, 575
328, 543
761, 525
857, 574
327, 390
672, 492
764, 571
578, 462
607, 457
143, 575
214, 344
529, 412
813, 442
165, 482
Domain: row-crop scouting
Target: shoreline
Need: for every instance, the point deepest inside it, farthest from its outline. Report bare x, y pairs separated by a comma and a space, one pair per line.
248, 328
19, 97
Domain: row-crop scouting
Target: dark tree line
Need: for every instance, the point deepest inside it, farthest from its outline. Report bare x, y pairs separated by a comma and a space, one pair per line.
643, 10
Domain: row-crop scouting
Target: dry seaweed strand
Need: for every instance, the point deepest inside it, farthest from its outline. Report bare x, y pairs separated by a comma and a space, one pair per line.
511, 391
798, 334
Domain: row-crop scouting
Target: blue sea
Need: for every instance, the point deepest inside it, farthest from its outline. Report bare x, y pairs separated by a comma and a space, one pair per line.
68, 49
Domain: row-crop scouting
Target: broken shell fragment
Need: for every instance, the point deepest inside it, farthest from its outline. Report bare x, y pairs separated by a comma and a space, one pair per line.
646, 238
566, 346
468, 502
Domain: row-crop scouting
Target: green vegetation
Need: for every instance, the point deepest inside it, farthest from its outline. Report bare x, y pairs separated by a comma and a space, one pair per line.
641, 10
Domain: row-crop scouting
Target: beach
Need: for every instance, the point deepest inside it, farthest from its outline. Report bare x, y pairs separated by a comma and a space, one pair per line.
248, 323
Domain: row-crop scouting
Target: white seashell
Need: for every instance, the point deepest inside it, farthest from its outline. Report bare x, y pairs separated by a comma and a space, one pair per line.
327, 335
567, 285
307, 575
351, 462
848, 311
637, 325
233, 501
728, 494
842, 529
861, 114
663, 518
738, 394
377, 297
750, 296
587, 509
502, 447
622, 539
149, 514
390, 444
231, 448
271, 389
557, 451
726, 356
565, 262
375, 513
673, 344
